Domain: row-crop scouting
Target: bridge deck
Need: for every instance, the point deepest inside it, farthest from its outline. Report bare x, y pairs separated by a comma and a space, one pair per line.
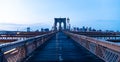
61, 48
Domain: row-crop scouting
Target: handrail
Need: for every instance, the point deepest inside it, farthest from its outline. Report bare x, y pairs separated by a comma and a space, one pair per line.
22, 48
107, 51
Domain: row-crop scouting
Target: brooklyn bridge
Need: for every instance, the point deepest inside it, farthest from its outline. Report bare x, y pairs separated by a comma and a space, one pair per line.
60, 45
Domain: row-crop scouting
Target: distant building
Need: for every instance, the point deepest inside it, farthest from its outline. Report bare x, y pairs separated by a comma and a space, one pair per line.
44, 30
37, 30
28, 29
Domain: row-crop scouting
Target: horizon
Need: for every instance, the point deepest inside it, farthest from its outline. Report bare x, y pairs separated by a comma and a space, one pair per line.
37, 14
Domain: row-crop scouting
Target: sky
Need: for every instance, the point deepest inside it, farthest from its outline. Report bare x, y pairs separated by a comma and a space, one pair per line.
19, 14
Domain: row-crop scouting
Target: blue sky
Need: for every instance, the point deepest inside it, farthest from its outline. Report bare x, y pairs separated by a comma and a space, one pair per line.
100, 14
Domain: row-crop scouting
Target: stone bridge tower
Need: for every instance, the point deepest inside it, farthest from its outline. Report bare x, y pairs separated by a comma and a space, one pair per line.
60, 21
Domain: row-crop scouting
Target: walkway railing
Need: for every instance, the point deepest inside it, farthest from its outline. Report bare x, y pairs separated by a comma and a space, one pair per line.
18, 50
107, 51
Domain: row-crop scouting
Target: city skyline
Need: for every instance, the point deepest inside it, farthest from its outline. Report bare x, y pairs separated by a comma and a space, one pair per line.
99, 14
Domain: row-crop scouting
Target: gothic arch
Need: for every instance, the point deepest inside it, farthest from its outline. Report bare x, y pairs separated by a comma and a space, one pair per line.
59, 20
